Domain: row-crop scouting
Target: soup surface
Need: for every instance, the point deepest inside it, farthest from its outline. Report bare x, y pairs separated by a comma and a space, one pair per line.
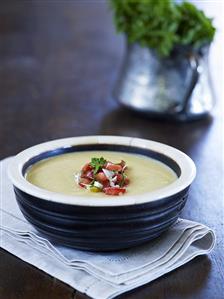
57, 174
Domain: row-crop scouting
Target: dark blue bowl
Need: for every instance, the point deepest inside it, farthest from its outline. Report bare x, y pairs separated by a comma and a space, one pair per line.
102, 224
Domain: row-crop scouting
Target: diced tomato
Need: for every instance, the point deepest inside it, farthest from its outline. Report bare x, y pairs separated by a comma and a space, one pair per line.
100, 177
82, 185
126, 181
114, 190
85, 181
86, 167
119, 178
106, 184
121, 181
113, 167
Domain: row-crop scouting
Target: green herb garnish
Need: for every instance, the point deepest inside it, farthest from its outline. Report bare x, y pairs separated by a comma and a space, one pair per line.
162, 24
97, 164
194, 27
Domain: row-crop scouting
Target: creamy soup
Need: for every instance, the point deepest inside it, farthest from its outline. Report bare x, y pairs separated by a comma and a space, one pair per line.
57, 173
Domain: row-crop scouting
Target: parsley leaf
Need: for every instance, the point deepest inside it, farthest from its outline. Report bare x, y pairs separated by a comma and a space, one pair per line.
97, 164
162, 25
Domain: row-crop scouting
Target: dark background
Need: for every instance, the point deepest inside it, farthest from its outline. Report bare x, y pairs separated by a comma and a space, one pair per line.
58, 63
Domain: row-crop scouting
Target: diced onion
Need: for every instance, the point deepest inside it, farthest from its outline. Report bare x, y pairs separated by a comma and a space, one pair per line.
108, 173
98, 185
77, 177
114, 179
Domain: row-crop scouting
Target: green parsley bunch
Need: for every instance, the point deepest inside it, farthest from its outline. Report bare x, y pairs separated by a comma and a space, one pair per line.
162, 24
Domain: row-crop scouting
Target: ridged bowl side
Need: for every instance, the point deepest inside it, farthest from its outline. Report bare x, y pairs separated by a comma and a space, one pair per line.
101, 228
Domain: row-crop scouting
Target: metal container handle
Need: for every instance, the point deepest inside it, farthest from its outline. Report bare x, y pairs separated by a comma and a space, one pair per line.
194, 65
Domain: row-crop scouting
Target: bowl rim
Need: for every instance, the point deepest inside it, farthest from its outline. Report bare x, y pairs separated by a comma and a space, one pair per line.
186, 164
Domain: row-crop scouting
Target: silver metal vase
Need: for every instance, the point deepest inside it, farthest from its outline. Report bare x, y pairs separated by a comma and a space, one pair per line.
177, 87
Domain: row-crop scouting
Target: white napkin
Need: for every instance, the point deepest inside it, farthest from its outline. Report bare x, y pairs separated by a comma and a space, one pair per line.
99, 275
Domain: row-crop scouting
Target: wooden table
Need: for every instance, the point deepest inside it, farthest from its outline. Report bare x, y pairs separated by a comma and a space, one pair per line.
58, 63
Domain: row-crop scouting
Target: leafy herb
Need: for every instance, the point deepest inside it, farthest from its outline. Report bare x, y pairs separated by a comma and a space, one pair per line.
162, 24
97, 163
194, 27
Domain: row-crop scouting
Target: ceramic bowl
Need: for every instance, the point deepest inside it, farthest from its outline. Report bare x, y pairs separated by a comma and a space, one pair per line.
102, 224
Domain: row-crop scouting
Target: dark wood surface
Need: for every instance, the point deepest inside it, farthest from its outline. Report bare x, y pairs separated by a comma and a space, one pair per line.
58, 63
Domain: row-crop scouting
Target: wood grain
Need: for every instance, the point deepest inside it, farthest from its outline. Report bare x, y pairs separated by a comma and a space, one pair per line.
58, 64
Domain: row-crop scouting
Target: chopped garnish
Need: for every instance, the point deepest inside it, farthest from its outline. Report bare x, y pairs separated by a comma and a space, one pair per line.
97, 163
113, 167
85, 181
109, 174
114, 191
98, 185
101, 175
95, 189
